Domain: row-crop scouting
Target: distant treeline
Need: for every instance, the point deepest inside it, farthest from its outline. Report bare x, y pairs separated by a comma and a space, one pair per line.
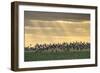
59, 47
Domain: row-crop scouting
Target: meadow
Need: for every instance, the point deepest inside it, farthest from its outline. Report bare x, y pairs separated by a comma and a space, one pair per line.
59, 51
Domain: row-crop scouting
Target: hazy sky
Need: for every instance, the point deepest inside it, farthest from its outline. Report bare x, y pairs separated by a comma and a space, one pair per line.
45, 27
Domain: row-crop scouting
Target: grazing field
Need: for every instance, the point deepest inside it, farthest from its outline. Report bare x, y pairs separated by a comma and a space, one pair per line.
30, 56
75, 50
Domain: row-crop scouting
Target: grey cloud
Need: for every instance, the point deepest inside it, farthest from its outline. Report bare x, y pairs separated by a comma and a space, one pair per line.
45, 20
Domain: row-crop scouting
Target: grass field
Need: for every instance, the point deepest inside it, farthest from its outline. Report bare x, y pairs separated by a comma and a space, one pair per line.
31, 56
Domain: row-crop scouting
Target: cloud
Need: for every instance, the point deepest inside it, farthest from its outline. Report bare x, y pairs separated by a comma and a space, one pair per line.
58, 28
55, 16
45, 27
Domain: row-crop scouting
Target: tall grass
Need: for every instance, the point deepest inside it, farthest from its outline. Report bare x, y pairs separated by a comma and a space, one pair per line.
73, 50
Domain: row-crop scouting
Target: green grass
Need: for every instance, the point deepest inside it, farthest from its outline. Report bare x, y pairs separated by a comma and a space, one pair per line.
30, 56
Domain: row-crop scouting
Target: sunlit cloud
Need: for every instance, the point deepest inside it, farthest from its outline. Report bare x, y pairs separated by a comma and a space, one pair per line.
63, 28
54, 28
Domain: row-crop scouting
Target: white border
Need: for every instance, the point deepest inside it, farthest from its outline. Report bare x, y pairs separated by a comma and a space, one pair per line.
33, 64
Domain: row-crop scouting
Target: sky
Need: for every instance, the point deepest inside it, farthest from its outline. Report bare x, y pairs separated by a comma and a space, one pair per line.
53, 27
